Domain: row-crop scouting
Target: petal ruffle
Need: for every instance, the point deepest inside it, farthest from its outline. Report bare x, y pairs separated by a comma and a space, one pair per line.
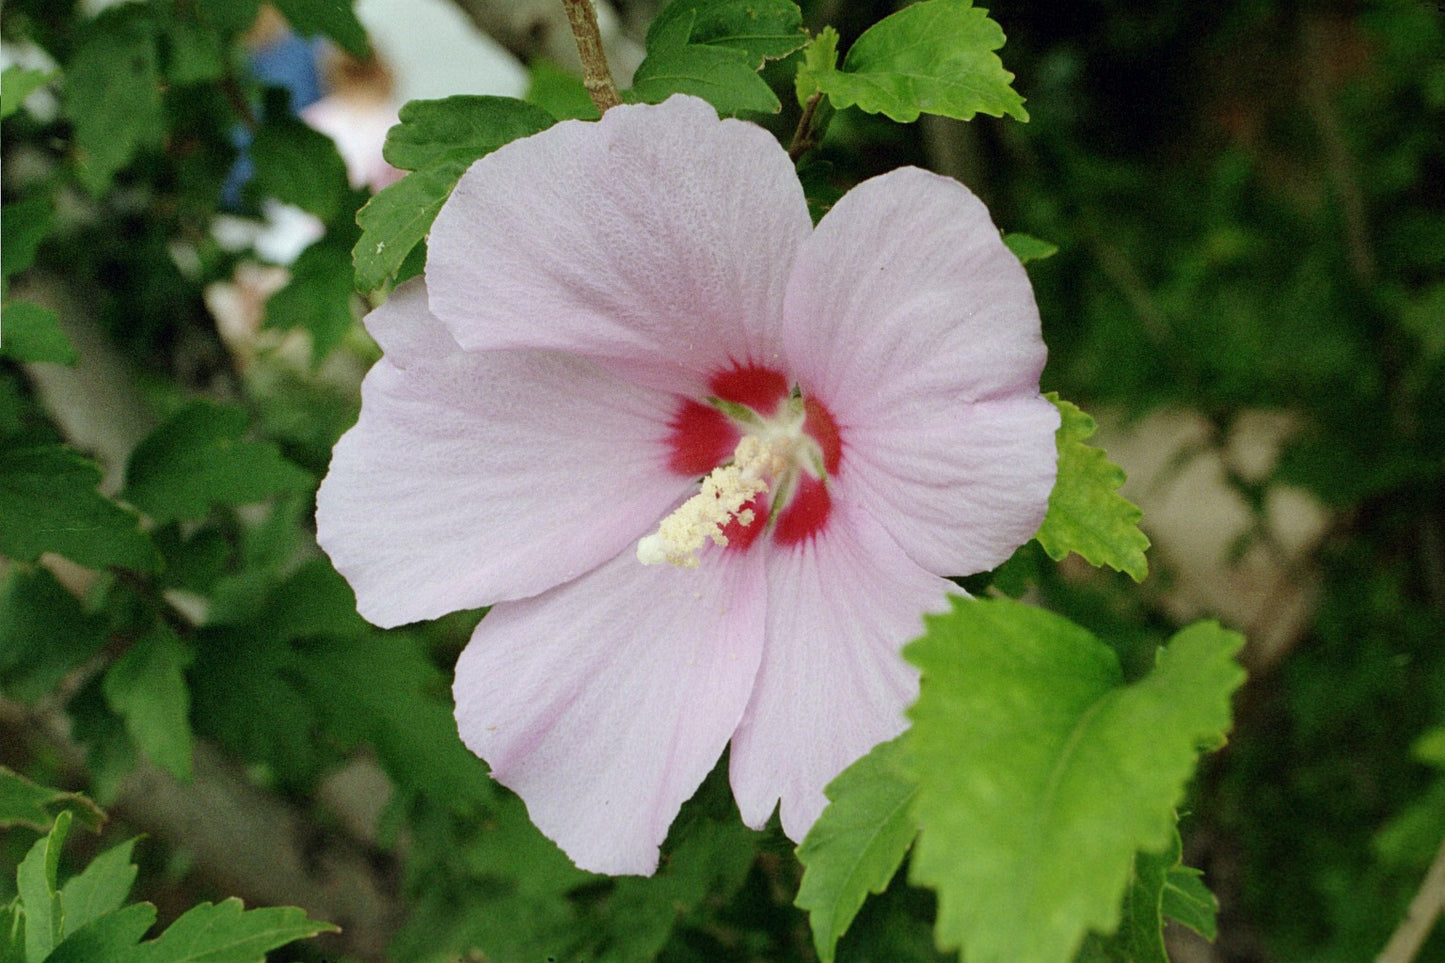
925, 344
658, 238
831, 685
605, 702
471, 478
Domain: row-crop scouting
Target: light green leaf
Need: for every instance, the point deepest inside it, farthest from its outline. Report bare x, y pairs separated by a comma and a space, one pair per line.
559, 92
29, 804
35, 884
933, 57
146, 687
437, 140
100, 888
297, 164
227, 933
762, 29
48, 503
1028, 248
29, 332
200, 457
197, 53
723, 76
17, 83
1086, 513
1040, 774
112, 937
857, 844
334, 18
820, 59
113, 95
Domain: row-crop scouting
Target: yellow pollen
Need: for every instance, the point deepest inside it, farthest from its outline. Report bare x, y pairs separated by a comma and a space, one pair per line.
724, 492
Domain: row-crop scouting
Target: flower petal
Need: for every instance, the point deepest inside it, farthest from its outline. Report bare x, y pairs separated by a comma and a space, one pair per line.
471, 478
604, 702
925, 344
831, 684
659, 235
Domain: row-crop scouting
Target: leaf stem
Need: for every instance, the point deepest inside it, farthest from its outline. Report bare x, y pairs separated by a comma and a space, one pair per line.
1420, 918
596, 76
803, 136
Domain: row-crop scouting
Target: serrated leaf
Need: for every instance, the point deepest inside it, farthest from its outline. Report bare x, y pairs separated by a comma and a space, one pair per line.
200, 457
1040, 774
45, 632
228, 933
437, 140
297, 164
1189, 902
29, 332
48, 503
1086, 513
29, 804
110, 937
18, 83
934, 57
762, 29
147, 688
334, 18
723, 76
35, 884
1028, 248
857, 844
113, 95
100, 888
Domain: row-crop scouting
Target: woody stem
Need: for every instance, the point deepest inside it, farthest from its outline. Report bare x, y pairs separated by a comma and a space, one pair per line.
596, 76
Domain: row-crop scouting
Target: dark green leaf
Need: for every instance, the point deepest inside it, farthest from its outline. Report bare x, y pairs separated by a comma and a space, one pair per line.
48, 503
723, 76
319, 296
334, 18
196, 53
100, 888
228, 933
24, 803
1086, 513
762, 29
1028, 248
934, 57
1189, 902
113, 95
299, 165
856, 845
1040, 774
35, 884
147, 688
25, 224
229, 16
44, 633
29, 332
200, 457
17, 83
394, 222
111, 937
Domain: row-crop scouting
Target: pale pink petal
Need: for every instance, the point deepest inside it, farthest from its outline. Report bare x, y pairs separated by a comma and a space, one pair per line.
476, 477
604, 702
831, 684
924, 342
658, 236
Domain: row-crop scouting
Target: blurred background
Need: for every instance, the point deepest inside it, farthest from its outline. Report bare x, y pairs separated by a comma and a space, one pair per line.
1248, 201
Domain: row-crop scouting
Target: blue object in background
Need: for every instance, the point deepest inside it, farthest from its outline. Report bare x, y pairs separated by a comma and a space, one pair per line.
288, 63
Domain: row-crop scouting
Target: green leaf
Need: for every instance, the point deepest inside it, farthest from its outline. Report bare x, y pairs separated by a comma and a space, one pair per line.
29, 804
196, 53
48, 503
147, 688
228, 933
762, 29
299, 165
723, 76
230, 16
1187, 901
113, 95
438, 140
110, 937
334, 18
200, 457
17, 83
45, 633
1028, 248
29, 332
1086, 513
559, 92
1040, 774
933, 57
100, 888
318, 299
857, 844
25, 224
35, 884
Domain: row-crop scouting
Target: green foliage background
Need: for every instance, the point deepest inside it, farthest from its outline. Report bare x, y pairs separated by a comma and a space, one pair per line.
1248, 204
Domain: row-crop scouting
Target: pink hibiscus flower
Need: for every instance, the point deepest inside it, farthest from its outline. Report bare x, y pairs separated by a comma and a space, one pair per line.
707, 463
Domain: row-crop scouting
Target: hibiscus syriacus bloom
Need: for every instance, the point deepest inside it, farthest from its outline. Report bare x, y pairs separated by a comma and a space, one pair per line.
707, 463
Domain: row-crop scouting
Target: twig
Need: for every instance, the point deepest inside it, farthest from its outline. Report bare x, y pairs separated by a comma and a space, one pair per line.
596, 77
803, 137
1424, 910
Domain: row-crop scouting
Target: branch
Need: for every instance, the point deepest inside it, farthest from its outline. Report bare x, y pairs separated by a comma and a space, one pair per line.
596, 76
1420, 918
